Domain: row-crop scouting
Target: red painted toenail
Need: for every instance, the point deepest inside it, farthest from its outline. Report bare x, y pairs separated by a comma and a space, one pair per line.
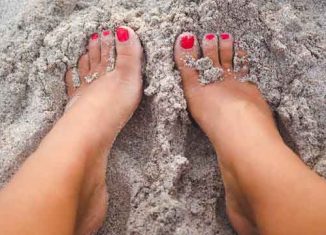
187, 41
122, 34
225, 36
106, 33
210, 37
94, 36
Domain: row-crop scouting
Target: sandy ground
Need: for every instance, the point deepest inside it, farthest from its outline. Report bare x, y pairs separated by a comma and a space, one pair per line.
162, 173
9, 9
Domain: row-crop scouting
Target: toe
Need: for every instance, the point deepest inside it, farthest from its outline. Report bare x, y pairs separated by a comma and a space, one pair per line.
69, 83
129, 52
210, 48
107, 49
226, 50
244, 63
94, 50
83, 71
186, 51
83, 68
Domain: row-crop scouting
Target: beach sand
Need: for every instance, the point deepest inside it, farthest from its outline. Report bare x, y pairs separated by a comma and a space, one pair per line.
162, 172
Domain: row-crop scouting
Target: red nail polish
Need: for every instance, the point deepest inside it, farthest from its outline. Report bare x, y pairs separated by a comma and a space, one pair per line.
225, 36
106, 33
187, 41
94, 36
210, 37
122, 34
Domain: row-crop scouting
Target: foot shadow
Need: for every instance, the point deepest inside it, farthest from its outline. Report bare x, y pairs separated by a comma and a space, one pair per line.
206, 183
281, 126
129, 152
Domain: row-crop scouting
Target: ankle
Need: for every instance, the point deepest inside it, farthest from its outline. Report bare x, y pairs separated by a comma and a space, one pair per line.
238, 208
243, 123
242, 224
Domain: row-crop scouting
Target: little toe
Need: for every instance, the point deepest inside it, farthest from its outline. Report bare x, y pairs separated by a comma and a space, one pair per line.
83, 70
226, 50
210, 48
186, 52
107, 49
94, 50
129, 52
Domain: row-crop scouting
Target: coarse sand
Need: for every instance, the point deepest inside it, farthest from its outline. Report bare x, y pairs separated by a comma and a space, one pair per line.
162, 172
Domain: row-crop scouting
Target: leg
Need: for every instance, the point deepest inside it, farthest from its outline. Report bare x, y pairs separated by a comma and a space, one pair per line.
61, 188
268, 188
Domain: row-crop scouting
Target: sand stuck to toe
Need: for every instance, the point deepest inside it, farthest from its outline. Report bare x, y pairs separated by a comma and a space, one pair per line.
162, 170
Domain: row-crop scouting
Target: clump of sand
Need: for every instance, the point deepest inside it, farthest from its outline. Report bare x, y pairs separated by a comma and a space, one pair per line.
162, 172
207, 72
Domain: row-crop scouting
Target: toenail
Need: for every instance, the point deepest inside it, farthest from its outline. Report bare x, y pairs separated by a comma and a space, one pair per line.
210, 37
106, 33
225, 36
94, 36
122, 34
187, 41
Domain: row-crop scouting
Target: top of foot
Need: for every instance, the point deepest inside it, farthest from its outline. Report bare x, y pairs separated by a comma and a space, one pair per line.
221, 107
221, 95
104, 91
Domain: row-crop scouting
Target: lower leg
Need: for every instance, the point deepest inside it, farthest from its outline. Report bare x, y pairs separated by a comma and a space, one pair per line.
267, 184
44, 196
268, 188
61, 189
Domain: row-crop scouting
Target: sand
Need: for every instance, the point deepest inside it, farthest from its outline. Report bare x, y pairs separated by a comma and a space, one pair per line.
162, 172
207, 72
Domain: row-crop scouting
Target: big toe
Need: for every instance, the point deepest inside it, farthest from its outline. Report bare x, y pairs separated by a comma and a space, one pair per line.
129, 53
186, 52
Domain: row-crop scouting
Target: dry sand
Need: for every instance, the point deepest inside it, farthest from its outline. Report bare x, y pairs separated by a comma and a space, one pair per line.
162, 171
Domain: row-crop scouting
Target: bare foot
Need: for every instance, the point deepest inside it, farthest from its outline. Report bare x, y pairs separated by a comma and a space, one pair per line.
107, 103
222, 109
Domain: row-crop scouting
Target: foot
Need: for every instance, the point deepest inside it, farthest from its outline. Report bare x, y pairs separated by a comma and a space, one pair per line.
220, 108
103, 106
